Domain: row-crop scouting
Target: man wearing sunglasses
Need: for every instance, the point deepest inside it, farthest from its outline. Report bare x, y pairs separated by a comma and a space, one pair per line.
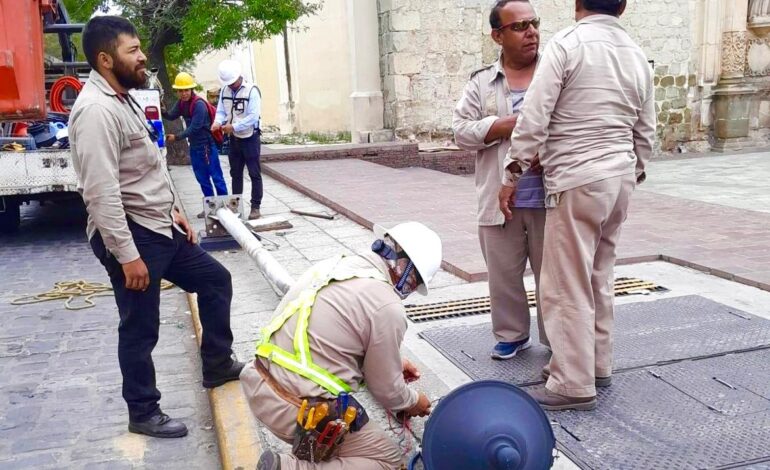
590, 116
483, 121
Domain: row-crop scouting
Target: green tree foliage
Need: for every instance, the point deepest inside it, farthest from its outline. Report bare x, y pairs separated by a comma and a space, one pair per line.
173, 32
181, 29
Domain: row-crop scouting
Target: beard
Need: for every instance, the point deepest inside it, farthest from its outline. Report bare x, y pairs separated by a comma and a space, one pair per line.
129, 77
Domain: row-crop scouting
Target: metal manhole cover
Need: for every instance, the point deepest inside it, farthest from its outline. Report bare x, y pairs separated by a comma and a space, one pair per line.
644, 421
646, 333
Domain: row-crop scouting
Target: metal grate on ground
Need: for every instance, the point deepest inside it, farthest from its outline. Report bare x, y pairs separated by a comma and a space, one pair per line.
711, 413
646, 333
480, 305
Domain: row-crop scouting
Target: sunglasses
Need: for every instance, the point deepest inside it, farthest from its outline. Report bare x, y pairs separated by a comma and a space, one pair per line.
522, 25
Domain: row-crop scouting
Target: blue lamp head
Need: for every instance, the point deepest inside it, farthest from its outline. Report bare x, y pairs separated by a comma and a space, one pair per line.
488, 425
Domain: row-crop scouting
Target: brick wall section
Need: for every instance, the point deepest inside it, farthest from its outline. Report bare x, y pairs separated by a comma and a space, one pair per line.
390, 154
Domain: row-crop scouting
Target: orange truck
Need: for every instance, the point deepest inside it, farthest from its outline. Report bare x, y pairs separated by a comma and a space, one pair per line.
38, 77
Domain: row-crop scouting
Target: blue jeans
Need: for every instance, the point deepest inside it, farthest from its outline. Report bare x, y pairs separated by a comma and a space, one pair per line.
205, 163
192, 269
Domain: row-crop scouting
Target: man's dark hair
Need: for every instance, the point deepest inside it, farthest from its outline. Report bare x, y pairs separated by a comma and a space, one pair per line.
494, 16
101, 35
608, 7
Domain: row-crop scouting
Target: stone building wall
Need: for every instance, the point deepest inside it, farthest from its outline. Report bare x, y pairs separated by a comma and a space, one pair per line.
757, 73
429, 47
427, 50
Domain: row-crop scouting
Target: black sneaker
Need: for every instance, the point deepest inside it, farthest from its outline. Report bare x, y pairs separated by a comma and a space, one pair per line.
269, 461
159, 425
221, 377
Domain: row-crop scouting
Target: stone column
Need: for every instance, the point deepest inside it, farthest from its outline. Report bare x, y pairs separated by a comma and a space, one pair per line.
759, 16
367, 102
733, 96
709, 22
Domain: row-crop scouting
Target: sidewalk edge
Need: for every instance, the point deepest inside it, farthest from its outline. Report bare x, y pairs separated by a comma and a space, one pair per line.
239, 443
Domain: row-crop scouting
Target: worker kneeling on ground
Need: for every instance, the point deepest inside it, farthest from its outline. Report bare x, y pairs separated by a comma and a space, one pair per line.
339, 326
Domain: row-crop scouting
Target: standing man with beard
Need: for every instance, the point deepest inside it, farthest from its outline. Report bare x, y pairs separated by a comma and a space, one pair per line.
135, 227
590, 116
483, 121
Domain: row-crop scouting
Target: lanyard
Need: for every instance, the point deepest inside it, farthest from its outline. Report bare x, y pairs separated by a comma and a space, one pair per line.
147, 126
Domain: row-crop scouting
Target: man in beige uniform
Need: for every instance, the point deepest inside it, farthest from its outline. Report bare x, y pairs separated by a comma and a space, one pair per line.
590, 116
483, 121
354, 333
135, 228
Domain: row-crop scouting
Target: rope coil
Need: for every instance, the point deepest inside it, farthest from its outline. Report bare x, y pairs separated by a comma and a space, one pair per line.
71, 290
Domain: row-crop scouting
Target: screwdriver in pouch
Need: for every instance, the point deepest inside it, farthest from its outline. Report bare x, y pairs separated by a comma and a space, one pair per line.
301, 412
350, 416
321, 411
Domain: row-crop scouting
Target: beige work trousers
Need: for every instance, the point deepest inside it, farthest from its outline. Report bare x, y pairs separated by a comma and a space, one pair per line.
506, 249
581, 234
368, 449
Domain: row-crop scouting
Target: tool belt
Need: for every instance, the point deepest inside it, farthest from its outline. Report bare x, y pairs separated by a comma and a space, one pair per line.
322, 424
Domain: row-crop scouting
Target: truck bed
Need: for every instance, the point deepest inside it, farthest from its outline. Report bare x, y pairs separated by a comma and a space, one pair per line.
36, 172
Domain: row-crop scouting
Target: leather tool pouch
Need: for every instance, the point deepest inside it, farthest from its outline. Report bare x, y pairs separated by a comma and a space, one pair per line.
313, 445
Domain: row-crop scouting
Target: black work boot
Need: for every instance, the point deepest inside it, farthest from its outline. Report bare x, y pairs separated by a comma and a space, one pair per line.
224, 375
269, 461
159, 425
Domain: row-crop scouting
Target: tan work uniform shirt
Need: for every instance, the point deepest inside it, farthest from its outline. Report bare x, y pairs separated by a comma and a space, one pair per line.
121, 172
590, 111
355, 332
484, 101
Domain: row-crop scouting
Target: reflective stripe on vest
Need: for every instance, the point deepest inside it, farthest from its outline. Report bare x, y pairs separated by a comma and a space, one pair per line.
300, 361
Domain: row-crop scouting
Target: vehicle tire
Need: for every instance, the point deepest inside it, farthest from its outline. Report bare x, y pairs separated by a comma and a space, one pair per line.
10, 217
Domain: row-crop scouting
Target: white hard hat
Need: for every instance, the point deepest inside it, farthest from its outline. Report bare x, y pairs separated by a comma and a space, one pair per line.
229, 72
421, 244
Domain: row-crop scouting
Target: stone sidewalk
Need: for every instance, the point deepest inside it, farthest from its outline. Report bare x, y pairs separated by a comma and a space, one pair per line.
312, 239
60, 385
710, 213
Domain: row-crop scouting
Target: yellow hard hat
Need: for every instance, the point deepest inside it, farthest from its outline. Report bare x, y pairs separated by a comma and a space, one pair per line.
184, 81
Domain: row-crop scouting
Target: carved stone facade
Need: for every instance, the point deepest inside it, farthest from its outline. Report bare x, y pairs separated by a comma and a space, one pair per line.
758, 58
734, 47
758, 9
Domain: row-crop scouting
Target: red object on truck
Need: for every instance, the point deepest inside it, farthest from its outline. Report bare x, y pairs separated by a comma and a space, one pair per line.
22, 87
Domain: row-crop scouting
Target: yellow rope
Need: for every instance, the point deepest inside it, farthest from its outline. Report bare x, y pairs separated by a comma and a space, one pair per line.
70, 290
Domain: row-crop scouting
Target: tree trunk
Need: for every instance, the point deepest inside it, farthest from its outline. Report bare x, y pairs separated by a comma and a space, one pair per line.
178, 153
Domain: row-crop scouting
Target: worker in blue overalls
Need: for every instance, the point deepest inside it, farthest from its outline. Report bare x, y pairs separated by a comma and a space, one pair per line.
204, 154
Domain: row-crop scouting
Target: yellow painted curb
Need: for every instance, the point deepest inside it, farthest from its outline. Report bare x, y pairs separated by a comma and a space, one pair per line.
239, 445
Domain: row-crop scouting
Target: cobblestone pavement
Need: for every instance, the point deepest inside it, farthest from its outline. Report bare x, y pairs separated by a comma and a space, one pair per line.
60, 398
